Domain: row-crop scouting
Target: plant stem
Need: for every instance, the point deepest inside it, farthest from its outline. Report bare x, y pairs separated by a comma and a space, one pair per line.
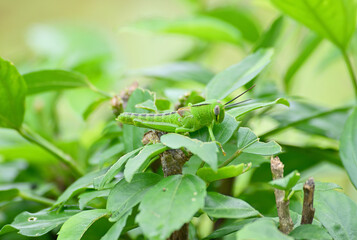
229, 160
104, 94
38, 199
350, 71
286, 224
308, 211
33, 137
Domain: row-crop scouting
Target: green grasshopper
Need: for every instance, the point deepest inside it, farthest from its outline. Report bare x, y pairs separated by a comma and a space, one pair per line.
186, 119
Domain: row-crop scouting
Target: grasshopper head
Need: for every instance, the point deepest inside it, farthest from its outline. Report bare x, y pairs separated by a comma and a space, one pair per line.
218, 111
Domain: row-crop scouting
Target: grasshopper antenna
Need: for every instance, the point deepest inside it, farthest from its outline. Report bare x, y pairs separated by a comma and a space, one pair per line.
235, 104
240, 95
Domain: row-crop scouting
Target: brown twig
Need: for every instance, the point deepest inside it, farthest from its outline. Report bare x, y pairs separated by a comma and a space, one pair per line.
282, 205
308, 211
172, 162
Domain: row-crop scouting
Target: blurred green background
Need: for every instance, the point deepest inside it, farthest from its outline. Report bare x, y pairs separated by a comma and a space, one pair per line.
60, 34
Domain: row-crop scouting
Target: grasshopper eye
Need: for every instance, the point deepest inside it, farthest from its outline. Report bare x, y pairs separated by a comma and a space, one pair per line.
216, 111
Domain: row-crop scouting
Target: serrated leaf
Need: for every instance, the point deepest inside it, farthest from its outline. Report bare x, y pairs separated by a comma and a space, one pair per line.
169, 204
147, 105
319, 186
348, 146
133, 134
334, 20
207, 151
37, 224
75, 227
81, 183
311, 232
287, 182
114, 170
248, 142
236, 76
204, 28
141, 161
86, 197
336, 213
54, 80
124, 196
177, 71
162, 104
12, 96
115, 230
261, 229
221, 206
246, 108
209, 175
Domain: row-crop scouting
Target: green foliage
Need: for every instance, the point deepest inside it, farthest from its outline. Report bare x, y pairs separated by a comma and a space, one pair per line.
182, 196
334, 20
238, 75
105, 180
348, 143
336, 219
53, 80
221, 206
12, 96
262, 229
78, 224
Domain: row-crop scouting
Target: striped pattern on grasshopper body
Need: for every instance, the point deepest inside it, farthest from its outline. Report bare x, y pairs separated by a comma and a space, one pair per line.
187, 119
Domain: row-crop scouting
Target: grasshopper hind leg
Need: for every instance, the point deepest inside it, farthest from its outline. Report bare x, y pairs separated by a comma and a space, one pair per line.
161, 126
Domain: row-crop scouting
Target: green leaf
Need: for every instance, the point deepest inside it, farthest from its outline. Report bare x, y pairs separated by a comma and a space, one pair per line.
239, 18
310, 44
54, 80
37, 224
115, 230
248, 142
334, 20
311, 232
12, 96
221, 206
142, 160
204, 28
133, 134
10, 170
262, 229
81, 183
222, 131
75, 227
177, 71
271, 35
209, 175
147, 105
124, 196
86, 197
319, 186
236, 76
287, 182
114, 170
206, 151
311, 119
336, 213
348, 146
228, 229
169, 204
246, 108
162, 104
